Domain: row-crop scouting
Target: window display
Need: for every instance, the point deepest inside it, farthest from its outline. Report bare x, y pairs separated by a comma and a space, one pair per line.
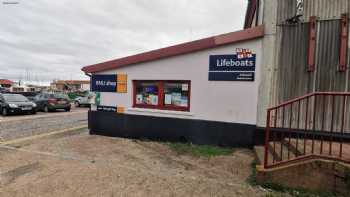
176, 94
168, 95
147, 93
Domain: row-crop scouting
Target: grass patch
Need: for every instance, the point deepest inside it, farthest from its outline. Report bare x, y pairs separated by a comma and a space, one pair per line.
199, 150
252, 177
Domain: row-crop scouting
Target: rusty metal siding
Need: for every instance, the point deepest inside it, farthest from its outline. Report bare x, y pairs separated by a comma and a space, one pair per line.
293, 80
323, 9
285, 10
328, 78
292, 63
327, 58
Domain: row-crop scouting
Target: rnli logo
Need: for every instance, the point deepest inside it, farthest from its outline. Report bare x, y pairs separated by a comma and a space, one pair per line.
244, 53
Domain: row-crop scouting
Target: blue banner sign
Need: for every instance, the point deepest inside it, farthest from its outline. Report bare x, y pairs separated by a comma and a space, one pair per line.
236, 67
103, 83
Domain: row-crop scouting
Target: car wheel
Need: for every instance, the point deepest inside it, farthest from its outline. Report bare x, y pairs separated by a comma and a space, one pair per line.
46, 109
4, 112
77, 104
67, 109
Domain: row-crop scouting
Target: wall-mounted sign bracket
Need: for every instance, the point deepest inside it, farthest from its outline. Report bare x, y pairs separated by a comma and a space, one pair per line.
312, 44
344, 38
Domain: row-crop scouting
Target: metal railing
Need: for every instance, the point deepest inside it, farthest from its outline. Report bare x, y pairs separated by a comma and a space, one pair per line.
316, 125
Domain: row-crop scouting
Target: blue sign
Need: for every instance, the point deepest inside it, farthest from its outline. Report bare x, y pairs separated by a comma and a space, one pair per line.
232, 67
103, 83
151, 89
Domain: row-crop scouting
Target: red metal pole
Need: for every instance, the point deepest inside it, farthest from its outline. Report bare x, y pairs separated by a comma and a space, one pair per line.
314, 125
274, 138
323, 120
332, 120
290, 128
298, 126
282, 133
342, 127
306, 122
267, 139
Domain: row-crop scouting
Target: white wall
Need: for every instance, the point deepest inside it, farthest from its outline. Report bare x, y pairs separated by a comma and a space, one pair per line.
226, 101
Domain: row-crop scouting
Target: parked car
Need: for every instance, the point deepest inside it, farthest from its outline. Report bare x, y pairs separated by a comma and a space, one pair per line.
16, 103
3, 90
30, 95
52, 101
84, 100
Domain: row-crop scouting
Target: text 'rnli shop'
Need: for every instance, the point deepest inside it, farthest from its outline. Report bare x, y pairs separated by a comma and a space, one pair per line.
204, 92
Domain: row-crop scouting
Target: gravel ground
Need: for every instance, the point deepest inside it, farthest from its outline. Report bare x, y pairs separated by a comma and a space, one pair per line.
78, 164
13, 127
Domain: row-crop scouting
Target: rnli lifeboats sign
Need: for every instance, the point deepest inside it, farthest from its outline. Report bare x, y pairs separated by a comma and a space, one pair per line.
103, 83
234, 67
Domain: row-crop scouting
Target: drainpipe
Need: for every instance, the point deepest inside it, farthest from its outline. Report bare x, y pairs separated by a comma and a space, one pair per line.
87, 74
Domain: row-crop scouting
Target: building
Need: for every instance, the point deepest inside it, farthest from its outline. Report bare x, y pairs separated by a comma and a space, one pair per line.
22, 89
218, 90
70, 85
5, 83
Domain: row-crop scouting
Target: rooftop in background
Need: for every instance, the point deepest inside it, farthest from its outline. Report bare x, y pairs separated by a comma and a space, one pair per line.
184, 48
6, 82
71, 82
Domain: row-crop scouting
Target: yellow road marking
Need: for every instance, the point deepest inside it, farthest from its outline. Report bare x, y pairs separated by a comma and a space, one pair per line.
42, 135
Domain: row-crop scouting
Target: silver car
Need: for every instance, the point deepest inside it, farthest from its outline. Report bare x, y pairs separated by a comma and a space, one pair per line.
84, 100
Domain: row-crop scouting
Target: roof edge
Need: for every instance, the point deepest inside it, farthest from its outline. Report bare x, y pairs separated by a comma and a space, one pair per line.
188, 47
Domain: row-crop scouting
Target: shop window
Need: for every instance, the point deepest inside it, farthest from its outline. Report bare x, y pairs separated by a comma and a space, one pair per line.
167, 95
176, 94
147, 93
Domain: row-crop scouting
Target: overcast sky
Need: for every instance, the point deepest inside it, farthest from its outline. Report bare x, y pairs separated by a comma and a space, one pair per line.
42, 40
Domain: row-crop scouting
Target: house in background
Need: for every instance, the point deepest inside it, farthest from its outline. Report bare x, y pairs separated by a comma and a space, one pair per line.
5, 83
70, 85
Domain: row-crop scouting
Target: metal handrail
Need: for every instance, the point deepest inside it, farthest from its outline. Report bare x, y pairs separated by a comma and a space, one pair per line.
315, 138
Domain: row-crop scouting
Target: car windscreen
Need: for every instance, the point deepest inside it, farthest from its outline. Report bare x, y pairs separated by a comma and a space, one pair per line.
14, 98
59, 96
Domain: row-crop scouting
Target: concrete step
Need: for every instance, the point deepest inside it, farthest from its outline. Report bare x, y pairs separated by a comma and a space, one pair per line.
259, 152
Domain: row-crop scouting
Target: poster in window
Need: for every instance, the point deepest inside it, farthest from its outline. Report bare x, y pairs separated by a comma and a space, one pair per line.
184, 101
176, 98
154, 99
139, 99
184, 87
167, 100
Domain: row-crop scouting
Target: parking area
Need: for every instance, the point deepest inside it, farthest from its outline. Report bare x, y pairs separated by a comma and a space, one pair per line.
17, 126
78, 164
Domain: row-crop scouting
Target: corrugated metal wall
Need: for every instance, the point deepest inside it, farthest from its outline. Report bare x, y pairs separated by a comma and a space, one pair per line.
292, 62
327, 58
291, 76
324, 9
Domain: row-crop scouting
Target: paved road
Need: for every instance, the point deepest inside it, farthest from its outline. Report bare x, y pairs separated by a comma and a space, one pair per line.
12, 127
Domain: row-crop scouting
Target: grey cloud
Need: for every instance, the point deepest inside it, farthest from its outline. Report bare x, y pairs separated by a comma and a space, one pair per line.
54, 39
